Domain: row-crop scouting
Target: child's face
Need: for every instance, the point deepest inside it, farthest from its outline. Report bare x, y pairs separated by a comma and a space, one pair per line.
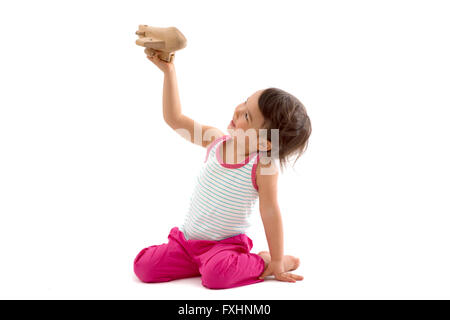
246, 122
247, 115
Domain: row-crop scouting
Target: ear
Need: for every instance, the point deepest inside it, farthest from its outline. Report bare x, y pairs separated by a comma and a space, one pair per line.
264, 145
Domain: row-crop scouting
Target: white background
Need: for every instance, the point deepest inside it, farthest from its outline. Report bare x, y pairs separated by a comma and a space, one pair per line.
90, 174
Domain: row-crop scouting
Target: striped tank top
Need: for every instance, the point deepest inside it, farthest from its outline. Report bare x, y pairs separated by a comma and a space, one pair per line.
223, 197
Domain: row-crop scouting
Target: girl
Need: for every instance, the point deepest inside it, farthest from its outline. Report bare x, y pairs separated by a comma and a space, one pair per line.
238, 169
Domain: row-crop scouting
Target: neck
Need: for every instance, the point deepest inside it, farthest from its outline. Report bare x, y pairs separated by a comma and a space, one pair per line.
240, 151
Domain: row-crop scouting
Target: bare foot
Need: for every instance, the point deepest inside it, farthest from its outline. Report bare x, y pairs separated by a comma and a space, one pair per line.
290, 262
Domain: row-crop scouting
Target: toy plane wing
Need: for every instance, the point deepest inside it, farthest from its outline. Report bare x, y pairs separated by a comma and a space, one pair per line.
151, 43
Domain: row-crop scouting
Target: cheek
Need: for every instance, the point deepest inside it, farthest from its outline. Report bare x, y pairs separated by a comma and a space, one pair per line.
242, 123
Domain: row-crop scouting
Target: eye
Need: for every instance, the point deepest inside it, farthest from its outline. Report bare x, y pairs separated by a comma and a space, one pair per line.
246, 116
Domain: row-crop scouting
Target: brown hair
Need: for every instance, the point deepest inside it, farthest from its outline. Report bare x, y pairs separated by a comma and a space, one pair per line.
284, 112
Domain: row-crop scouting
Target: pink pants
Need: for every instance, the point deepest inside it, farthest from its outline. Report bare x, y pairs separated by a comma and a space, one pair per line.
222, 264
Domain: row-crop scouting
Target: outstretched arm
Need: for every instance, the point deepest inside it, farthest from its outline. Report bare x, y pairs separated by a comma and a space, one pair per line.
189, 129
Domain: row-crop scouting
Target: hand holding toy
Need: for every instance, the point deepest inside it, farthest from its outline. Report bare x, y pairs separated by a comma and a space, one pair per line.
162, 42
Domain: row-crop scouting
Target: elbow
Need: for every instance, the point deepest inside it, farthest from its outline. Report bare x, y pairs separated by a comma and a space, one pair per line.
171, 122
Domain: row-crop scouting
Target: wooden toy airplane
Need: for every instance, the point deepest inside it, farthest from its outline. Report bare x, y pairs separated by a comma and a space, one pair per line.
161, 41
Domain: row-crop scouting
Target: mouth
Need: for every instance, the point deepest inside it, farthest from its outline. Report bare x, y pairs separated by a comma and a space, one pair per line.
232, 124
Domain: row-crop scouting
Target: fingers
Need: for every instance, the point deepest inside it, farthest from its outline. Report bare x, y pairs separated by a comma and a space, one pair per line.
288, 277
150, 52
298, 277
285, 277
152, 55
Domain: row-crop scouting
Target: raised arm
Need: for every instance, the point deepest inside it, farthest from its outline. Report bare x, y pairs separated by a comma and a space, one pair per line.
189, 129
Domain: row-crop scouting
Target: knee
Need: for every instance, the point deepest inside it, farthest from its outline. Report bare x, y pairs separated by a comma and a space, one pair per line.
144, 266
219, 274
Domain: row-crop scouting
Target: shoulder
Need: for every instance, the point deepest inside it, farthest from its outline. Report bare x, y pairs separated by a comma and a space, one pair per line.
266, 179
266, 172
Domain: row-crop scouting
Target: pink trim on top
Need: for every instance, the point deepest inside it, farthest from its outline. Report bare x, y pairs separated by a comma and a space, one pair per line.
232, 165
254, 173
212, 145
